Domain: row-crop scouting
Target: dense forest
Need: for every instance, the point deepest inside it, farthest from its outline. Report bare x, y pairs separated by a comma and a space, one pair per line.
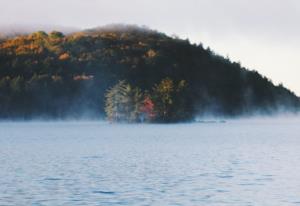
52, 75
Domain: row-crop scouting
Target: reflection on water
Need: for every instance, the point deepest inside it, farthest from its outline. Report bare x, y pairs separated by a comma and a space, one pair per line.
233, 163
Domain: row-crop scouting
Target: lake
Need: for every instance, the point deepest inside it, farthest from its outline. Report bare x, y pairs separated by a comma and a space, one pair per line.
247, 162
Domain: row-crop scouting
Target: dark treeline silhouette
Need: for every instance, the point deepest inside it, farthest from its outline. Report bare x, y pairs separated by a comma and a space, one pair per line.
56, 76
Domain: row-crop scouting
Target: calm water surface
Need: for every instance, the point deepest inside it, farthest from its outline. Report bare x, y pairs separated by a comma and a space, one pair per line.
90, 163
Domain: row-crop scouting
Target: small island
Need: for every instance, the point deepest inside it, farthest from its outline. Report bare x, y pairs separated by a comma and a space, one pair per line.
127, 73
166, 102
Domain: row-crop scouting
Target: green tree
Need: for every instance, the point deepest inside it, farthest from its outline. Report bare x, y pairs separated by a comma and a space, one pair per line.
56, 35
162, 96
123, 103
169, 100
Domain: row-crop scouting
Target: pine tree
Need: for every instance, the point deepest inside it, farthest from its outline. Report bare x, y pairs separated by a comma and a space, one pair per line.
123, 103
113, 104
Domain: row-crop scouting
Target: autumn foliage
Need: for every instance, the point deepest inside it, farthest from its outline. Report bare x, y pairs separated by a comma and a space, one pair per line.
55, 75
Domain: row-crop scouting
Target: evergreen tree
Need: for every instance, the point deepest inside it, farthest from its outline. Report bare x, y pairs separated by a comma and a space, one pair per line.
123, 103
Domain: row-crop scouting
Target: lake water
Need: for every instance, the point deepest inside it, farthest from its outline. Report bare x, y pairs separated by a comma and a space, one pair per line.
254, 162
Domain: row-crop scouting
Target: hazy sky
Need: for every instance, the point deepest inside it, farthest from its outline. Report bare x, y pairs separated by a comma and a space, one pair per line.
262, 34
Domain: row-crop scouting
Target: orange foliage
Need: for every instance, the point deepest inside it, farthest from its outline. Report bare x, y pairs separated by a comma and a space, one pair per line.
151, 53
64, 56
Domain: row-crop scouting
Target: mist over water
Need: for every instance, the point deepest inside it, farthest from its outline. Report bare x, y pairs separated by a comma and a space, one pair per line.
240, 162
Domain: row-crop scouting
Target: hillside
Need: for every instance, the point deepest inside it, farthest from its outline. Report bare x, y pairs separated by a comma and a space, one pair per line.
56, 76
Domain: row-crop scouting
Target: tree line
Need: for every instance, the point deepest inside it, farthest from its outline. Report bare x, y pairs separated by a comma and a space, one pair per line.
53, 75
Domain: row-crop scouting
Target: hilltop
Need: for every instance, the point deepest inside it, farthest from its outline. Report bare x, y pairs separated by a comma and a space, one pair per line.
56, 75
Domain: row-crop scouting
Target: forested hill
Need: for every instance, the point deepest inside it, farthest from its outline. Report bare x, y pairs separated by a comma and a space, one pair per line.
57, 76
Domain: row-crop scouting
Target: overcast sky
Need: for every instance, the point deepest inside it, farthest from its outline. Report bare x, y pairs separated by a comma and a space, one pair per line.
262, 34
